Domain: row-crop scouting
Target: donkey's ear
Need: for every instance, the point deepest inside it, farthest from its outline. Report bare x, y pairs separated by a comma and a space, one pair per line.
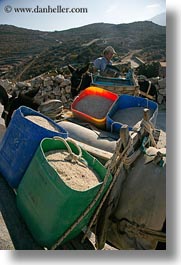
84, 69
71, 69
3, 96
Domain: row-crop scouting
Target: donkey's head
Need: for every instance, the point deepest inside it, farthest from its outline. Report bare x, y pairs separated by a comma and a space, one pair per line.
11, 103
80, 79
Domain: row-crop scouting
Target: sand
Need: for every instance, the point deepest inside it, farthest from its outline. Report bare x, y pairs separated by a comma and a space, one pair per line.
42, 122
94, 106
75, 175
130, 116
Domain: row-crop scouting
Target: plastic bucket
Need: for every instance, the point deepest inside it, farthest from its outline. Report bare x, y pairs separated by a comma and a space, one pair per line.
97, 104
20, 142
48, 205
124, 102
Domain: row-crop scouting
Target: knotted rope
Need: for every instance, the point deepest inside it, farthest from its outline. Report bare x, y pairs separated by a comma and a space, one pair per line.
72, 156
149, 127
92, 204
114, 165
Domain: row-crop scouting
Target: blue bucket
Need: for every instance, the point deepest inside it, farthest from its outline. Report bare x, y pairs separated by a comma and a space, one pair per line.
124, 103
20, 142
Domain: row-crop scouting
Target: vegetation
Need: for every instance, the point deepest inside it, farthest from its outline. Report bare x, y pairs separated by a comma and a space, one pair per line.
27, 53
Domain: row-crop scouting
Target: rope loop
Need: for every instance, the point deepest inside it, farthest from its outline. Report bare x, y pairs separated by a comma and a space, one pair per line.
149, 127
72, 156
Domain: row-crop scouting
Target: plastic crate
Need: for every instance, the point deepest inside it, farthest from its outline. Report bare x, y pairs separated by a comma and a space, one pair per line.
125, 102
20, 142
93, 104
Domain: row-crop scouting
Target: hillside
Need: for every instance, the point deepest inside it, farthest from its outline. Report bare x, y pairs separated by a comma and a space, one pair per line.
27, 53
159, 19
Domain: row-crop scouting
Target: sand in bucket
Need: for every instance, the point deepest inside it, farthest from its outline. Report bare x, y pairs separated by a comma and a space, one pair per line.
41, 121
75, 175
94, 105
130, 116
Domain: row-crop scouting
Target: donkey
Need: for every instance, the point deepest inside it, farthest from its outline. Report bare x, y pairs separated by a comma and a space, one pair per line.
13, 102
147, 89
80, 79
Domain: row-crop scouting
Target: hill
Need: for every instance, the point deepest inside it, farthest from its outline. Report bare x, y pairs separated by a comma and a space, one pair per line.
159, 19
27, 53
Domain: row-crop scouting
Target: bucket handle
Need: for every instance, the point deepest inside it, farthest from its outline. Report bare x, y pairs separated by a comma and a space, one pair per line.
114, 123
72, 156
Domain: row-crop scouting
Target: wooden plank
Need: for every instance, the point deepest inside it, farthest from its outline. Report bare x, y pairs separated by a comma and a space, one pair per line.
101, 154
119, 89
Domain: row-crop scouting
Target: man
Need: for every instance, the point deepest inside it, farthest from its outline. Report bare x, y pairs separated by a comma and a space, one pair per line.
102, 63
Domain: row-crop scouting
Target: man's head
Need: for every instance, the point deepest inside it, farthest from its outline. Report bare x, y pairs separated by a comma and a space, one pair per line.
109, 52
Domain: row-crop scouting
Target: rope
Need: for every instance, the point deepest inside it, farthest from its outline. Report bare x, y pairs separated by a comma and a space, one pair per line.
87, 209
133, 229
149, 127
117, 157
120, 160
52, 108
72, 156
115, 164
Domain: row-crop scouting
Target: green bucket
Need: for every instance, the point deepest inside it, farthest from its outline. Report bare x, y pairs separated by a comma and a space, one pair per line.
48, 205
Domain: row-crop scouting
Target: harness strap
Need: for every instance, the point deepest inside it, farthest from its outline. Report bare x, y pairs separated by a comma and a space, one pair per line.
147, 93
133, 229
149, 86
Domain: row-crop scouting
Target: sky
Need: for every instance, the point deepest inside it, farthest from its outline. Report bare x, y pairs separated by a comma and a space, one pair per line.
83, 12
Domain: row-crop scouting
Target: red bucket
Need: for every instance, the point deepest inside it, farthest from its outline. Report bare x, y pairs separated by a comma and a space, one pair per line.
93, 104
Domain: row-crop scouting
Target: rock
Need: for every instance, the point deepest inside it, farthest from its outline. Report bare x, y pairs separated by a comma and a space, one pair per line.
162, 83
59, 79
6, 84
65, 83
48, 88
63, 99
162, 92
160, 99
56, 91
36, 82
48, 82
68, 89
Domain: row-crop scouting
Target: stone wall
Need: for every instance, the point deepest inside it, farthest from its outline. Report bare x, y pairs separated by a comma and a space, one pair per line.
59, 87
51, 87
160, 84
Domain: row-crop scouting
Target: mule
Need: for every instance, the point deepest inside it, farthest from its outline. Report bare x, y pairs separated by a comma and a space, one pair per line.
13, 102
133, 215
147, 89
80, 79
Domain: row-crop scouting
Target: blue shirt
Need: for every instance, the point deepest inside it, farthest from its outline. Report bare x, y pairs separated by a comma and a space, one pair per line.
100, 63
